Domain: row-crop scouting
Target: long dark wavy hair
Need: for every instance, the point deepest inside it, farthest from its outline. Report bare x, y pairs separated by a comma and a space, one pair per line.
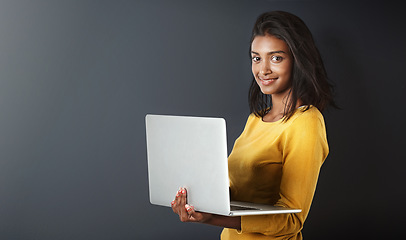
309, 78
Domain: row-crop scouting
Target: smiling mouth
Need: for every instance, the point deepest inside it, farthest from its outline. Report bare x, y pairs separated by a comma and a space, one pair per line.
267, 81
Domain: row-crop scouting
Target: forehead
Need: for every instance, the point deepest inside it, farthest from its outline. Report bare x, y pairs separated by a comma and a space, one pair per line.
268, 43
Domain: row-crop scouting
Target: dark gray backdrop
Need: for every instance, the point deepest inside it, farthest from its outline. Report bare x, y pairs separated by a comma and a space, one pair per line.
77, 78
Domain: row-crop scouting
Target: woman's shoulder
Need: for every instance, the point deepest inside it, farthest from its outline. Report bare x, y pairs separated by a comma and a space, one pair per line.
306, 115
253, 117
310, 112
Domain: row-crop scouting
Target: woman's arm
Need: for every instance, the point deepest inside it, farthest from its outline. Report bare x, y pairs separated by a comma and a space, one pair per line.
188, 214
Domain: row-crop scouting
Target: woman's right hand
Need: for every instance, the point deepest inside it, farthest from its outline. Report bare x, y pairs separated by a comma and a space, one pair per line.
186, 212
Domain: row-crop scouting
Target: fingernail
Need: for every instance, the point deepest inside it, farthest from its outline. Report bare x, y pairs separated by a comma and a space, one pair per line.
189, 208
172, 203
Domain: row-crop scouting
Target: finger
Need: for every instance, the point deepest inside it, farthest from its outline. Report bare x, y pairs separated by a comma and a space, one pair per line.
176, 202
183, 215
173, 205
189, 209
197, 216
182, 196
177, 197
192, 214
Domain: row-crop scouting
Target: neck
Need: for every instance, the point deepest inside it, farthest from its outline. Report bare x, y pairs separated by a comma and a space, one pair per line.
280, 102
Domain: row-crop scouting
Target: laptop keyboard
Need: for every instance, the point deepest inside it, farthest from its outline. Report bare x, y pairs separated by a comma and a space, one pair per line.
237, 207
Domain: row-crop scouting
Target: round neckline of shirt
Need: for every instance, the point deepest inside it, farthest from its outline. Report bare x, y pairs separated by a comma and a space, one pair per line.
262, 120
280, 120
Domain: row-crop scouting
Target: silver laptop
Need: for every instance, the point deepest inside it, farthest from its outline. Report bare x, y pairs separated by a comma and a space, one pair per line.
191, 152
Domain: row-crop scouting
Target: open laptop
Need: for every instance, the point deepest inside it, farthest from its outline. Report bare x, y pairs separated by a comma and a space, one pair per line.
191, 152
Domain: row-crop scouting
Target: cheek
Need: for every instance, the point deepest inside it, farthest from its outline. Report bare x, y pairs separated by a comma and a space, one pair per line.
285, 73
285, 70
254, 69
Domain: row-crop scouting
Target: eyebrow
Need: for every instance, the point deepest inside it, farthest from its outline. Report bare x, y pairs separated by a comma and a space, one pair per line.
270, 53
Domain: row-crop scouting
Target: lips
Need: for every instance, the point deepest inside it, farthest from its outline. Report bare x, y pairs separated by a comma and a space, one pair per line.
267, 81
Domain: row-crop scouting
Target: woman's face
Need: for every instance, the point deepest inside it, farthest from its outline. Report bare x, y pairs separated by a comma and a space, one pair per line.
271, 64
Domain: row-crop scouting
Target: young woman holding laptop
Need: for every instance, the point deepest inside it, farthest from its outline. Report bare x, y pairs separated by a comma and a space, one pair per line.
278, 156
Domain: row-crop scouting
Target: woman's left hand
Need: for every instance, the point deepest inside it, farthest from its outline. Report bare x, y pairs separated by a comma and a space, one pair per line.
186, 212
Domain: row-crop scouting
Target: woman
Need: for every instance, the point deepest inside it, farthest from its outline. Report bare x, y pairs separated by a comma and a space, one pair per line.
278, 156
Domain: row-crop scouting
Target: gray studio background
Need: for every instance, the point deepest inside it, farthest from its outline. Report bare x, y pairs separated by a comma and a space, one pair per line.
77, 78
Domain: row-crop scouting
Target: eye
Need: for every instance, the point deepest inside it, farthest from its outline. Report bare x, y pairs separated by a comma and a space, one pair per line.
256, 59
276, 59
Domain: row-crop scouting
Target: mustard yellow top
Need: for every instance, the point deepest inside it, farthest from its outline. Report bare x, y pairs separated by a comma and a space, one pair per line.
277, 163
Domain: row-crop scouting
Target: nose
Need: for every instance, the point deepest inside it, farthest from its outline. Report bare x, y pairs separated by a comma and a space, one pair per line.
265, 68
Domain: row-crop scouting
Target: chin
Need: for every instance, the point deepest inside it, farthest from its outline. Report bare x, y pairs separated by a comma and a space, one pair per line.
266, 91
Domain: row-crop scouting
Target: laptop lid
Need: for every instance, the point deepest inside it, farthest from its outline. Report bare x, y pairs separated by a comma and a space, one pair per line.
188, 152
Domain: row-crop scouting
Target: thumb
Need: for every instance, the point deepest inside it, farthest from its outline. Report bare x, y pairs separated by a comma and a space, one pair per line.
191, 212
195, 216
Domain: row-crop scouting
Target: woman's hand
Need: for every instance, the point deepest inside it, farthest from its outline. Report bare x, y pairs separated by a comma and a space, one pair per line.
186, 212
